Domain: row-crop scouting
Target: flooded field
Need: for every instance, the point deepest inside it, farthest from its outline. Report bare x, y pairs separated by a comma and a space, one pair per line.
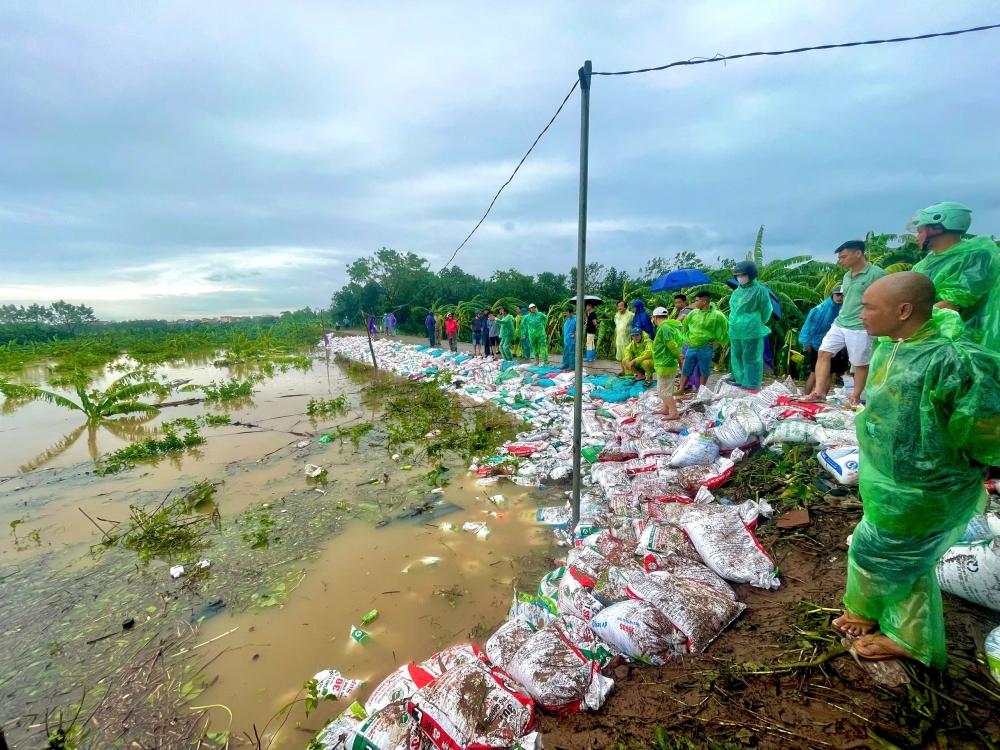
101, 640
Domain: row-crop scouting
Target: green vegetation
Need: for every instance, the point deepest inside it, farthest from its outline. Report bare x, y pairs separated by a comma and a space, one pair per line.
354, 433
228, 390
173, 530
152, 448
326, 407
258, 527
118, 399
404, 283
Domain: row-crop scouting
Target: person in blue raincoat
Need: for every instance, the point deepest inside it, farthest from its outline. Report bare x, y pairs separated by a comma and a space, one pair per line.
569, 340
642, 319
749, 310
818, 322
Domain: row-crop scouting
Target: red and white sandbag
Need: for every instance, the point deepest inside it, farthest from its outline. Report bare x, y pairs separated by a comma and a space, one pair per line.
473, 707
639, 630
506, 641
665, 539
398, 686
731, 549
557, 675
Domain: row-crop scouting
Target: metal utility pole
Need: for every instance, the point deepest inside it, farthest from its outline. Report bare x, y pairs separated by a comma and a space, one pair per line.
581, 268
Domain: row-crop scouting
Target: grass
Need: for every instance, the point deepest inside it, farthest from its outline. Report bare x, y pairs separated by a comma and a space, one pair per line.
228, 390
152, 448
326, 407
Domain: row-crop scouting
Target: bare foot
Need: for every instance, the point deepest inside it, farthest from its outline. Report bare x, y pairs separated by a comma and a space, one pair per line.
812, 398
879, 647
851, 625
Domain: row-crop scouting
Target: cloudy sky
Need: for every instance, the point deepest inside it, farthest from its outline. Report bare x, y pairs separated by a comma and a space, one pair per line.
186, 158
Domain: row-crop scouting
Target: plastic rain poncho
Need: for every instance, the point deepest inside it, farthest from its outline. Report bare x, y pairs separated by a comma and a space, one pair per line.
666, 348
642, 353
534, 323
703, 326
641, 318
569, 343
623, 325
968, 276
749, 311
932, 419
818, 322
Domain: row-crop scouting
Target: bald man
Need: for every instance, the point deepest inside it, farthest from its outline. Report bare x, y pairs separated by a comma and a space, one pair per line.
931, 424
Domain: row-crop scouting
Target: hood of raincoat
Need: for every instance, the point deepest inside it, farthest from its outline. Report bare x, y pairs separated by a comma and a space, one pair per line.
642, 319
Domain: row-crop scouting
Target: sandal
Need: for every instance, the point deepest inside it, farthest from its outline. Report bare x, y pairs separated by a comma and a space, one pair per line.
879, 647
847, 620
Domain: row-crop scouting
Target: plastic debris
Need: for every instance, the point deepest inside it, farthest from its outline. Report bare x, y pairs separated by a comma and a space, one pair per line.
332, 682
992, 648
312, 470
358, 634
423, 561
326, 438
370, 617
176, 571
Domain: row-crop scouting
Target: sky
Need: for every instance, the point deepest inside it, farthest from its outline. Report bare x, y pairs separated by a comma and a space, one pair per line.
181, 159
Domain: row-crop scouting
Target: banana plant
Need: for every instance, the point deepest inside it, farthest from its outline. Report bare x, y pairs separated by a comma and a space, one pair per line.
117, 399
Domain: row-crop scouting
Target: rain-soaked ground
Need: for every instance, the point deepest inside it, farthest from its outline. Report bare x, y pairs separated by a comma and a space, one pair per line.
294, 563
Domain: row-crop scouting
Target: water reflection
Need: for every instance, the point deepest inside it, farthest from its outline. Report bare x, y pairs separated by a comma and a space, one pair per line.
127, 429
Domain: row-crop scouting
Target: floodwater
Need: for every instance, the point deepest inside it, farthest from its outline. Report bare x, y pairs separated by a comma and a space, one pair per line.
327, 565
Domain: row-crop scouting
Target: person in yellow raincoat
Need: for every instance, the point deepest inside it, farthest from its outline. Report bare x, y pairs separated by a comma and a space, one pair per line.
930, 426
965, 272
638, 357
623, 329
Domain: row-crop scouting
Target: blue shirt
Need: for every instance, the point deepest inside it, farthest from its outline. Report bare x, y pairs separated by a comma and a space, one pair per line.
818, 322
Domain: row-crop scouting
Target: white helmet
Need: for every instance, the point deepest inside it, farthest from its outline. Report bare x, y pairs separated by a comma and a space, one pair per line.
661, 312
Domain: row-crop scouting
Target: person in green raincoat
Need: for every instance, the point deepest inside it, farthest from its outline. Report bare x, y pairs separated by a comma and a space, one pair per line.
535, 322
930, 426
965, 272
638, 358
703, 329
506, 321
749, 311
666, 357
521, 332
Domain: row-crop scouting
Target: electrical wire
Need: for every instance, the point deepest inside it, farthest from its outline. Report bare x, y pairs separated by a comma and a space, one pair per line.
511, 178
797, 50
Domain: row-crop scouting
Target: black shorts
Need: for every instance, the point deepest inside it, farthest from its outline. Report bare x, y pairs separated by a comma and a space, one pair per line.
477, 337
839, 363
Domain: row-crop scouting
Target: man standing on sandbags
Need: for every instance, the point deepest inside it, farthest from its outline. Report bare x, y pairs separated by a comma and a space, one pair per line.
749, 311
965, 272
535, 321
931, 424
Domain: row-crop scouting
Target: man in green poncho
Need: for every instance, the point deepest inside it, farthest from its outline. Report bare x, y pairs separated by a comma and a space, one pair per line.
521, 332
931, 423
749, 311
506, 321
535, 323
638, 357
965, 272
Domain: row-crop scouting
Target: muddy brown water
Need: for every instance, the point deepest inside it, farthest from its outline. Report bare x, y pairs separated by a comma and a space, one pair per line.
431, 585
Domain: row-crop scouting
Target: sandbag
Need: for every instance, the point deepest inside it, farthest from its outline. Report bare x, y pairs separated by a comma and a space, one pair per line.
652, 486
730, 549
695, 449
575, 597
796, 431
972, 571
398, 686
841, 463
392, 728
836, 419
982, 528
473, 707
537, 610
586, 564
640, 631
557, 675
612, 586
665, 539
581, 636
549, 585
451, 657
507, 639
698, 610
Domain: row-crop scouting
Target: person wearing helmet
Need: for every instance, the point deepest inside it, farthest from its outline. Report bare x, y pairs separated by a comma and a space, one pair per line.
929, 427
965, 272
535, 322
847, 332
749, 310
666, 356
638, 360
818, 322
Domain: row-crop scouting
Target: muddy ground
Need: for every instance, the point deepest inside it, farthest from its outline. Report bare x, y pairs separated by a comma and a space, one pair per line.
737, 694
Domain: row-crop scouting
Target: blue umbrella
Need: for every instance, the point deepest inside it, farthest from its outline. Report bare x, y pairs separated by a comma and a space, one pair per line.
775, 303
679, 279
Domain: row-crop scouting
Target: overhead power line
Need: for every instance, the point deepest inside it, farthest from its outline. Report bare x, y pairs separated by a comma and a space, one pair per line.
511, 178
703, 61
797, 50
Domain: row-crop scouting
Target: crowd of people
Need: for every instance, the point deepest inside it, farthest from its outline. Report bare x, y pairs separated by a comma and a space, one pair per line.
923, 348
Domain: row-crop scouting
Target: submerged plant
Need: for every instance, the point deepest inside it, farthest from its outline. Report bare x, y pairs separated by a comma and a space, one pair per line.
117, 399
228, 390
152, 447
325, 407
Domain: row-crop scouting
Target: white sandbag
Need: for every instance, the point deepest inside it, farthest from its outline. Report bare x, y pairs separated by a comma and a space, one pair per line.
537, 610
982, 528
581, 636
398, 686
500, 713
698, 610
695, 449
339, 734
451, 657
730, 549
612, 586
841, 463
665, 539
796, 431
972, 571
838, 438
507, 639
575, 597
640, 631
549, 585
836, 419
392, 728
557, 675
586, 564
